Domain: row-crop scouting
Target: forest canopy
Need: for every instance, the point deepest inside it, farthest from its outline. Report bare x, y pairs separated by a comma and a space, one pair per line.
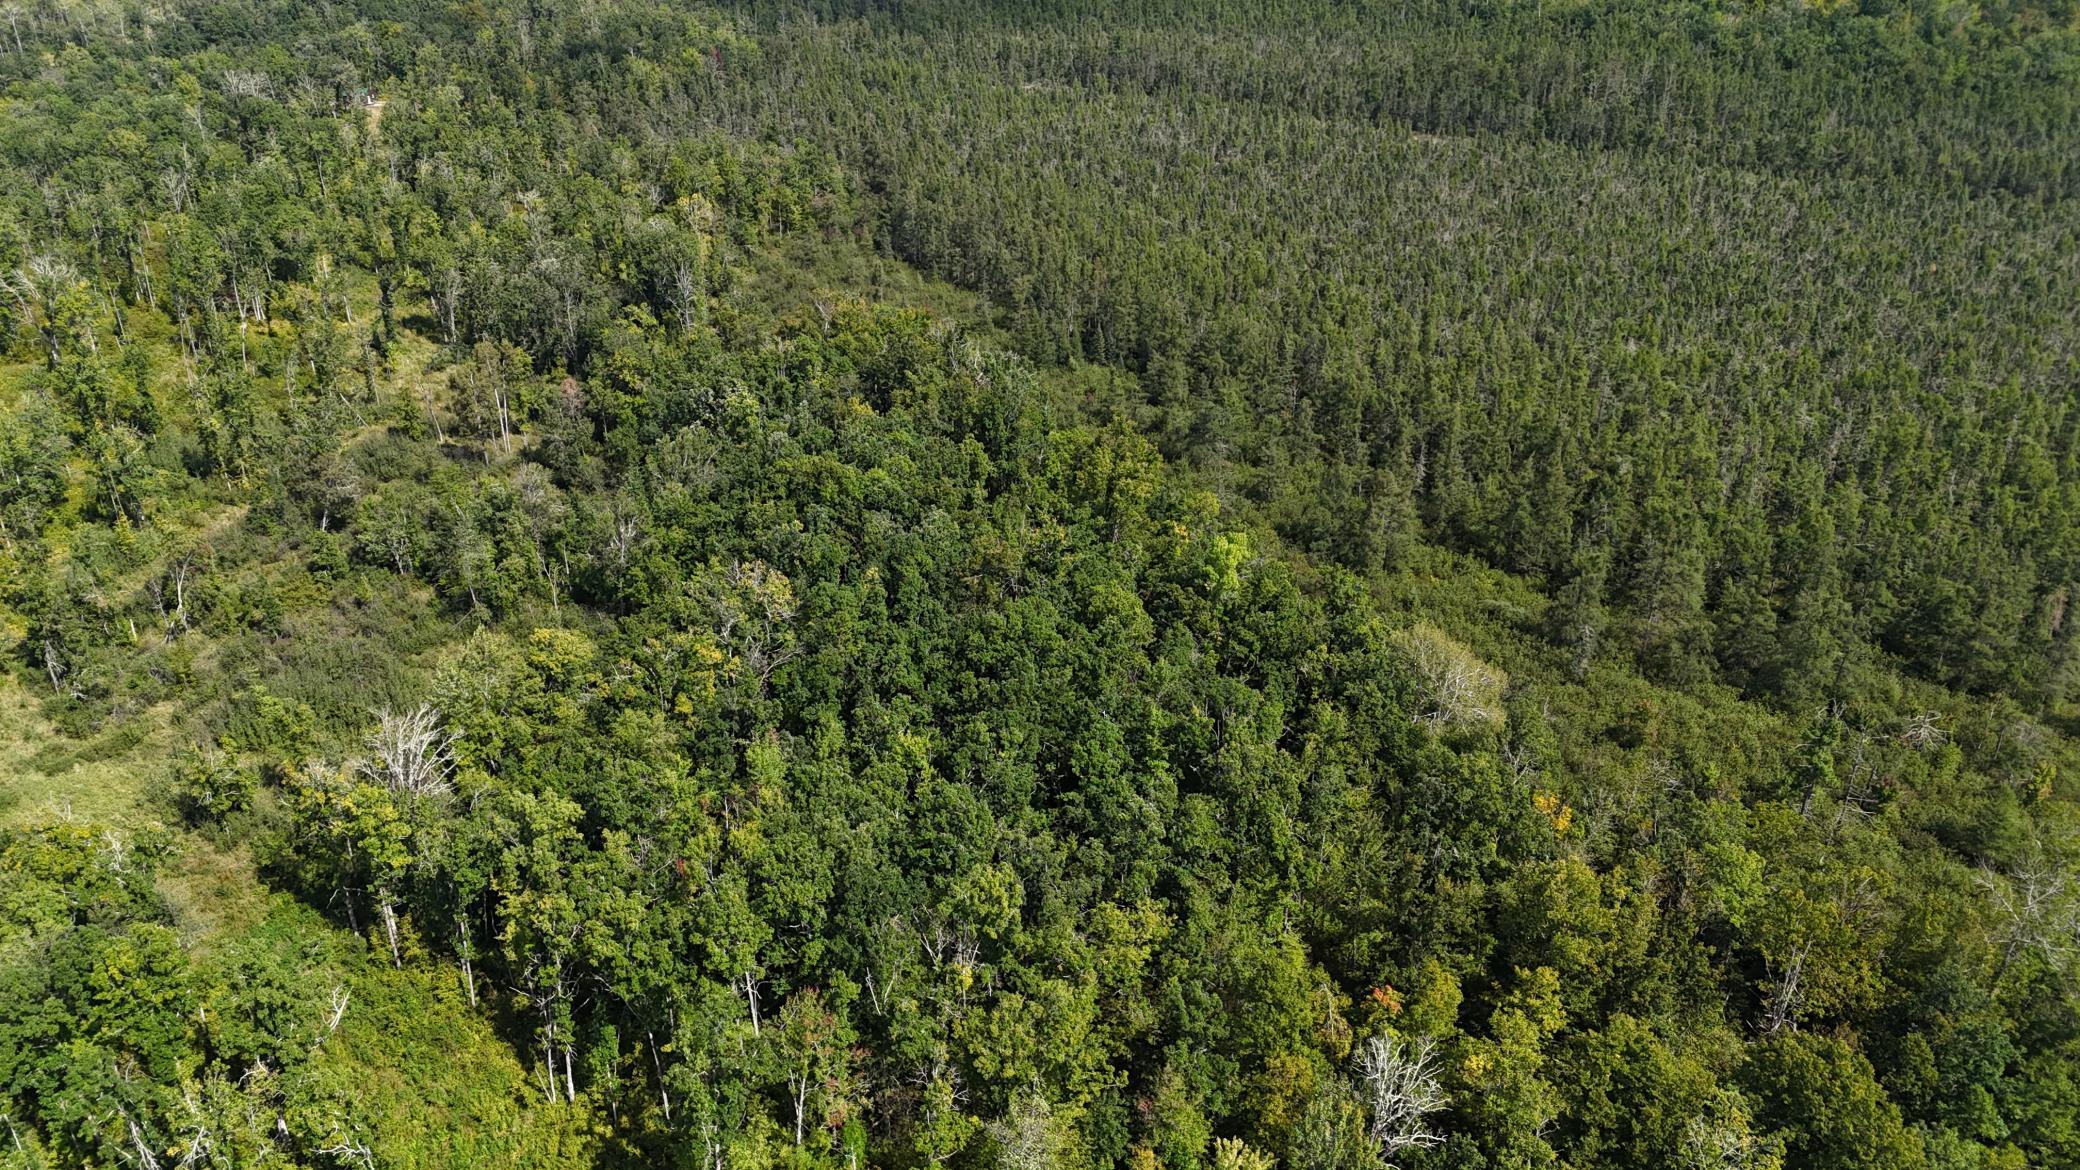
1174, 586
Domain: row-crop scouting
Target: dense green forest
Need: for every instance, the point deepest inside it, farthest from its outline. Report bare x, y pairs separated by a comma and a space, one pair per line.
1176, 586
1749, 336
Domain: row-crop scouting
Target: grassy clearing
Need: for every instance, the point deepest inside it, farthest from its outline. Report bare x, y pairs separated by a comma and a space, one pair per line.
794, 272
442, 1088
45, 775
437, 1083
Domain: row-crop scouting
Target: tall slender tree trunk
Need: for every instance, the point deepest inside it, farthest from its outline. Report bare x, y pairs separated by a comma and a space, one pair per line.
390, 929
549, 1059
664, 1097
462, 948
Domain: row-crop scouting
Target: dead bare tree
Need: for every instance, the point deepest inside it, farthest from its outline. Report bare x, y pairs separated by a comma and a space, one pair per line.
145, 1158
336, 1011
753, 607
1400, 1084
349, 1151
412, 754
1923, 731
2039, 906
1456, 687
169, 593
35, 288
1787, 995
1721, 1144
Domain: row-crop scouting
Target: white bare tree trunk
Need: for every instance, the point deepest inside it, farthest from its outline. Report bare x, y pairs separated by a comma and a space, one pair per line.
412, 754
390, 930
1400, 1086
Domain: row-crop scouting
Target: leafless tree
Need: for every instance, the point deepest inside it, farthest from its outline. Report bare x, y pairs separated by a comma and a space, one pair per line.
172, 587
1710, 1144
1922, 731
1787, 994
335, 1012
444, 292
35, 288
175, 186
1029, 1137
349, 1151
2039, 906
1457, 687
246, 83
1522, 761
623, 542
753, 608
1399, 1083
686, 293
145, 1158
412, 754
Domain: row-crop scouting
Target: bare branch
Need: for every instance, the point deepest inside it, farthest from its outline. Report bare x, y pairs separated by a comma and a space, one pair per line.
412, 754
1400, 1087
